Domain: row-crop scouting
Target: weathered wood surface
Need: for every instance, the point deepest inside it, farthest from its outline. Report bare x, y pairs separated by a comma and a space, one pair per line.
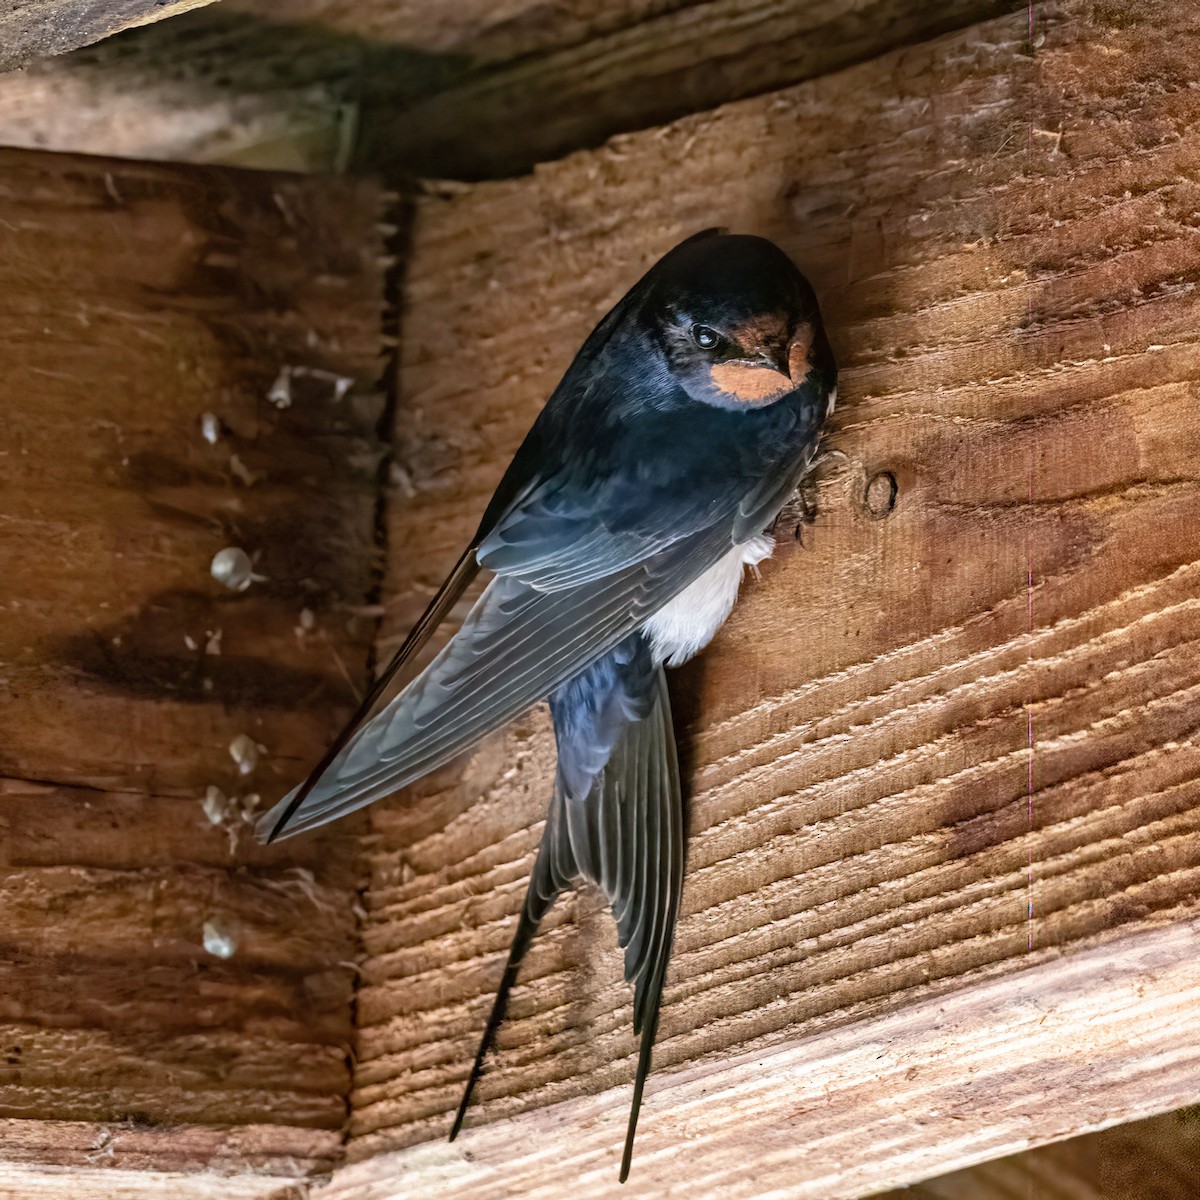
470, 32
35, 27
934, 745
57, 1159
133, 300
466, 89
1012, 1062
1155, 1159
92, 1183
213, 86
277, 83
687, 59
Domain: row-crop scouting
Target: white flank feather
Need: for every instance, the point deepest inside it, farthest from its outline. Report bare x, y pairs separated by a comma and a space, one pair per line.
685, 625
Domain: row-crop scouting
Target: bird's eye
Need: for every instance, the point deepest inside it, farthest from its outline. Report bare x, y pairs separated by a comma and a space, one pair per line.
705, 337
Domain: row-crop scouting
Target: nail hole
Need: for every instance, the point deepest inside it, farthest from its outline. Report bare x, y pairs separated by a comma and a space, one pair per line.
881, 494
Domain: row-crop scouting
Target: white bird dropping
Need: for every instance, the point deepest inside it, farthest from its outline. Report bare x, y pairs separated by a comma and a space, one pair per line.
215, 804
210, 427
244, 751
221, 936
233, 568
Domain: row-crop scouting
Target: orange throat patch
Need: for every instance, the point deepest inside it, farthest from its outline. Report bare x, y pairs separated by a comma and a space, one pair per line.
745, 383
755, 384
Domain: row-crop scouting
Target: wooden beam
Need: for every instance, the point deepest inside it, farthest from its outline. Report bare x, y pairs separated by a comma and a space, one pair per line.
190, 362
1154, 1159
1032, 1056
455, 90
92, 1183
474, 32
952, 732
52, 1159
685, 59
212, 86
274, 83
38, 27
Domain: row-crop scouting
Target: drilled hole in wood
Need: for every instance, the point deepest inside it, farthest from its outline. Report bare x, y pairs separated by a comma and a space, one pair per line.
880, 496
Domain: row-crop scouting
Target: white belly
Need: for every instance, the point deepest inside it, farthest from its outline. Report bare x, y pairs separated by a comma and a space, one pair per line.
686, 624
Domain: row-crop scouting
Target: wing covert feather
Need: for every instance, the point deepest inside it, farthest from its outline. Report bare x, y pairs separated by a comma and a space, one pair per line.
516, 647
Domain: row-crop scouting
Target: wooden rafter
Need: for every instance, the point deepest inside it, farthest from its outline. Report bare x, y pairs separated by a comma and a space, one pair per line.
951, 735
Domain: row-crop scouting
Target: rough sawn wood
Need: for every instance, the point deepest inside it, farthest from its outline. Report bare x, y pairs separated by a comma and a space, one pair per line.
134, 300
944, 739
468, 89
1154, 1159
983, 1071
686, 59
35, 27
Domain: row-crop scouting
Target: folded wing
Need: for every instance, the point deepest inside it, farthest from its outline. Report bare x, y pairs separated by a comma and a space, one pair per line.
516, 646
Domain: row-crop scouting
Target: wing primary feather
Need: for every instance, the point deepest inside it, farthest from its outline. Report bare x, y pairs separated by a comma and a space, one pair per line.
649, 1030
439, 607
662, 838
552, 871
498, 664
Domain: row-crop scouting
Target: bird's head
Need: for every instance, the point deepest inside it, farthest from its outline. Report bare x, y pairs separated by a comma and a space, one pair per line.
738, 323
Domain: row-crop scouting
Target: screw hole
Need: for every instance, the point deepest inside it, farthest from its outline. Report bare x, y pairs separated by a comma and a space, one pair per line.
880, 497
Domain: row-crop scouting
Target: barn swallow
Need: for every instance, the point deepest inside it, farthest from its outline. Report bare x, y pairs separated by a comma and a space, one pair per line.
617, 540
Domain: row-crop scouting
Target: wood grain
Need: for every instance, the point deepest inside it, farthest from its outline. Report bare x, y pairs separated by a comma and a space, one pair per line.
477, 32
38, 1183
1155, 1159
35, 27
278, 84
936, 744
52, 1159
1035, 1055
463, 90
133, 300
212, 86
687, 59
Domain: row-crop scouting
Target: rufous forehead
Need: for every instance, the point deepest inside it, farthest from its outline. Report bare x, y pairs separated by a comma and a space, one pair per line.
745, 383
765, 329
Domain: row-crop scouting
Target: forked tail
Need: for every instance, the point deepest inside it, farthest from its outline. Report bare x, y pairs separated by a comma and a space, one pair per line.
616, 819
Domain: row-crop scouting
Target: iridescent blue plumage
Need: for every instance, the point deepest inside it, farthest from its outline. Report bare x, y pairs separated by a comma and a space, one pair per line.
617, 539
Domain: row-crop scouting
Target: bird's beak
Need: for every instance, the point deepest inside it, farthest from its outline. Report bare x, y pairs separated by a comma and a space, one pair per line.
777, 359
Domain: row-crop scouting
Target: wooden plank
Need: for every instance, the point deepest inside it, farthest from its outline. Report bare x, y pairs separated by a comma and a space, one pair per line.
467, 89
1153, 1159
36, 27
683, 60
134, 300
1036, 1054
44, 1159
97, 1184
275, 83
935, 744
470, 32
277, 1150
212, 86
